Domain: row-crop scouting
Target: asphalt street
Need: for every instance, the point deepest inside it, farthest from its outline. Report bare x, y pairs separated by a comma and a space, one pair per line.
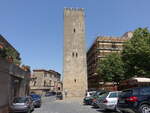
51, 105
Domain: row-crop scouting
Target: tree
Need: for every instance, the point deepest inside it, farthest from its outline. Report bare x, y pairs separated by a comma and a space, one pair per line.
136, 54
9, 52
111, 69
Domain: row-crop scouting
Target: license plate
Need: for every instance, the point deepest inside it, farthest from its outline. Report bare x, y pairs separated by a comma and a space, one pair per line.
121, 101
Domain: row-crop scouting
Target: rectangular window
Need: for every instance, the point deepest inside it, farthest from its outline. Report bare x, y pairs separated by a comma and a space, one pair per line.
45, 75
113, 45
113, 95
145, 91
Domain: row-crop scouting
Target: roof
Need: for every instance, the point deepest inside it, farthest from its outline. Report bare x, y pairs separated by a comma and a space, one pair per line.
4, 43
141, 79
111, 39
47, 71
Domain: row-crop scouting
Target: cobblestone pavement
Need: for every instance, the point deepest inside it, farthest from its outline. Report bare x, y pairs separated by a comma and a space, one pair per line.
50, 105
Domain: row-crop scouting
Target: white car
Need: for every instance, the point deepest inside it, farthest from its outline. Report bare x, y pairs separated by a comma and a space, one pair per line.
89, 93
108, 100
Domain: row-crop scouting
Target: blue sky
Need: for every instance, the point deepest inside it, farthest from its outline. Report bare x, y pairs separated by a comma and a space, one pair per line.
35, 27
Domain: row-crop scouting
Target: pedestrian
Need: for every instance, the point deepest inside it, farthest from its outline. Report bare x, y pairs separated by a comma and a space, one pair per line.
65, 93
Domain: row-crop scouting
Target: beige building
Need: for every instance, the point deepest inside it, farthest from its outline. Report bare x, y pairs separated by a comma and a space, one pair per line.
102, 46
43, 81
75, 68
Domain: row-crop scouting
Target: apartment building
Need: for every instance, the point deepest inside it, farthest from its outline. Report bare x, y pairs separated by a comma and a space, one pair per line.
102, 46
43, 81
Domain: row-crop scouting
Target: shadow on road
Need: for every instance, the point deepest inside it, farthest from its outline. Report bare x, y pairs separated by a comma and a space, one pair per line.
107, 111
94, 107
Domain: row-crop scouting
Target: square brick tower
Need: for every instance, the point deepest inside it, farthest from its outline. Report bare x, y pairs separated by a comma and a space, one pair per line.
75, 67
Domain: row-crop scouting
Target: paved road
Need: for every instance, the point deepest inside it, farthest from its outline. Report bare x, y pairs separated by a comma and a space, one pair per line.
50, 105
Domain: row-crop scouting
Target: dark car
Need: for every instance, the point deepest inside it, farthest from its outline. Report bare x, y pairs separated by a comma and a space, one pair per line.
47, 94
135, 100
36, 100
59, 95
96, 97
88, 99
22, 104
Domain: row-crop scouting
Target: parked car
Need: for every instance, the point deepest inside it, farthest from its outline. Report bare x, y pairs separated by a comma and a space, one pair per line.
88, 100
22, 104
89, 93
36, 100
108, 100
47, 94
135, 100
95, 98
59, 95
89, 97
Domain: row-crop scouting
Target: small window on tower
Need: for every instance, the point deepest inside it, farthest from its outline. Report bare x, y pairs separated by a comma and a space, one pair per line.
74, 30
75, 80
76, 54
73, 54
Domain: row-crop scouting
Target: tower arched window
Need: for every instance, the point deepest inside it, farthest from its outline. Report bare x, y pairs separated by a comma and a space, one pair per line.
74, 30
73, 54
76, 54
75, 80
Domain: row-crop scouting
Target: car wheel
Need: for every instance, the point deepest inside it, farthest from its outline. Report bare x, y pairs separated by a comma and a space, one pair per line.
144, 108
29, 111
32, 109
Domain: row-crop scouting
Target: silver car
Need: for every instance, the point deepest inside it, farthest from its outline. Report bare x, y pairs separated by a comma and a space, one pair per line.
22, 104
108, 100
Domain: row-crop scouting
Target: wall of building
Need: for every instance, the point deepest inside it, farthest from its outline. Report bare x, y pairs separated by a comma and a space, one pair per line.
101, 47
13, 82
4, 87
44, 81
75, 68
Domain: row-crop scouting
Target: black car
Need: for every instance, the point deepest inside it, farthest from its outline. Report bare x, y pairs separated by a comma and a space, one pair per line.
59, 95
36, 100
89, 97
96, 97
47, 94
135, 100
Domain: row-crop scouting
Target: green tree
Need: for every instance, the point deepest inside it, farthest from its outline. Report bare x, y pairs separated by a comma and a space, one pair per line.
136, 54
111, 69
2, 53
9, 52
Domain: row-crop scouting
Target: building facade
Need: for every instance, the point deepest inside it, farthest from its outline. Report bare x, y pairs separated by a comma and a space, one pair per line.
14, 80
43, 81
75, 67
101, 47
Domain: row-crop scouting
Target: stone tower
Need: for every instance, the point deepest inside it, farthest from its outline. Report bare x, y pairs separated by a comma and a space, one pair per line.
75, 68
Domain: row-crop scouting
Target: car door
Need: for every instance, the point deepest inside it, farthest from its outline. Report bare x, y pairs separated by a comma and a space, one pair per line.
31, 104
101, 100
112, 98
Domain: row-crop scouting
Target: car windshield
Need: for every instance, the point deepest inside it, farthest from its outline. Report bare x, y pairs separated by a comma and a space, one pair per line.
103, 95
93, 94
35, 96
97, 93
20, 100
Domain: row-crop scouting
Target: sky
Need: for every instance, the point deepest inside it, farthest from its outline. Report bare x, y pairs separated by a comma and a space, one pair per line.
35, 27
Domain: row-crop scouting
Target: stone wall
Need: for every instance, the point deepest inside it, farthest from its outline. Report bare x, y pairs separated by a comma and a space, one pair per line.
75, 71
4, 86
